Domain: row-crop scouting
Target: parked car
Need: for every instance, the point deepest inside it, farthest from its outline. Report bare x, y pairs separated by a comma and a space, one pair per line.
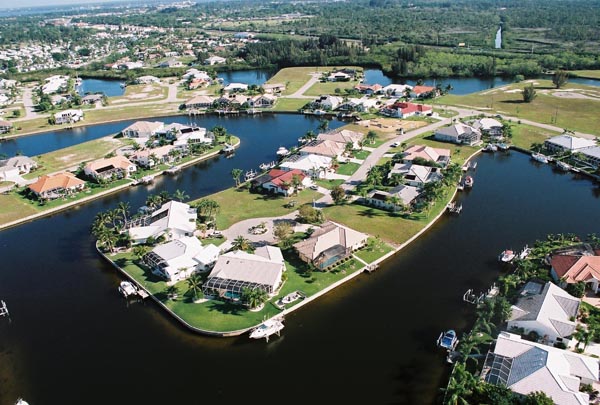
395, 144
314, 187
217, 234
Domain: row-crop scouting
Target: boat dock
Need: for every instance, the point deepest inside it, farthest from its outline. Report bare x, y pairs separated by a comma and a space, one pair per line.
3, 309
371, 268
476, 299
455, 208
173, 170
469, 166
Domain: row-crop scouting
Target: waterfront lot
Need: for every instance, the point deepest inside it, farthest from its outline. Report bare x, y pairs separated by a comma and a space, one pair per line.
524, 136
293, 78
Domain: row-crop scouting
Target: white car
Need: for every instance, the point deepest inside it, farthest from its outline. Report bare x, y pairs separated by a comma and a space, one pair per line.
395, 144
314, 187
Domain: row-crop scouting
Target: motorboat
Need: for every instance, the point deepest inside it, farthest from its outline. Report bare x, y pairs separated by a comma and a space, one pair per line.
490, 147
468, 181
267, 328
282, 151
563, 166
228, 149
21, 401
250, 174
448, 340
127, 288
502, 146
506, 256
538, 157
525, 252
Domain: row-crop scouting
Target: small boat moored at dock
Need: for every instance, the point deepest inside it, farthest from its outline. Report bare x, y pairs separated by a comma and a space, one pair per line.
454, 208
563, 166
469, 181
538, 157
490, 147
448, 340
228, 149
267, 328
525, 252
250, 174
503, 146
506, 256
127, 289
282, 151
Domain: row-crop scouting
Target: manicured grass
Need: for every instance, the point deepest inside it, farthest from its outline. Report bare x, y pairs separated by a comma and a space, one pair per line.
239, 204
74, 155
320, 88
289, 104
347, 169
458, 153
588, 74
374, 250
294, 77
329, 184
12, 207
526, 135
361, 154
578, 114
141, 92
213, 241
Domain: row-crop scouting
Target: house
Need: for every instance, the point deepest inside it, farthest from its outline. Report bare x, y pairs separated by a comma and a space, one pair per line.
13, 167
329, 244
547, 310
339, 77
436, 155
170, 64
68, 116
55, 84
396, 90
393, 199
143, 129
567, 143
314, 166
489, 126
129, 65
180, 258
199, 102
273, 88
458, 133
423, 92
591, 155
53, 186
92, 99
344, 136
328, 102
147, 80
369, 88
281, 181
525, 367
5, 126
405, 110
416, 175
197, 83
174, 220
572, 269
196, 74
214, 60
105, 169
262, 101
324, 148
151, 157
234, 87
243, 35
236, 271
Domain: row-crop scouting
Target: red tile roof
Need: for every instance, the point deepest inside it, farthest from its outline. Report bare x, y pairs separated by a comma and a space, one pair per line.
576, 268
422, 89
280, 177
60, 180
408, 108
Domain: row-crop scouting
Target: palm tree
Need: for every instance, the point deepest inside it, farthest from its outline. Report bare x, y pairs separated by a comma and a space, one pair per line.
194, 285
323, 125
254, 297
371, 137
241, 243
460, 386
236, 174
164, 196
179, 195
123, 209
172, 291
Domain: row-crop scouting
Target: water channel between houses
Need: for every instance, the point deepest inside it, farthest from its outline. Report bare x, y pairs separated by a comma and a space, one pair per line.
73, 339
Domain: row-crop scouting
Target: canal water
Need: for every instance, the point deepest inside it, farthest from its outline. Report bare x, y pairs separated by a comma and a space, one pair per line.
73, 339
111, 88
255, 76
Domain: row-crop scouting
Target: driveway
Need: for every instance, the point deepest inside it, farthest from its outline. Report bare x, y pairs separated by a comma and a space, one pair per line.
242, 228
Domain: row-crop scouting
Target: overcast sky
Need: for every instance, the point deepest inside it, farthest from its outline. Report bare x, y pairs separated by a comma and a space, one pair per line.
37, 3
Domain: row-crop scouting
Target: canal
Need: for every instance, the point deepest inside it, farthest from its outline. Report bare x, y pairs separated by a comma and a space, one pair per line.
73, 339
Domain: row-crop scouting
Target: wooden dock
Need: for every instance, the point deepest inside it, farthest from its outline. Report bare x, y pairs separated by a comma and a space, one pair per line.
454, 208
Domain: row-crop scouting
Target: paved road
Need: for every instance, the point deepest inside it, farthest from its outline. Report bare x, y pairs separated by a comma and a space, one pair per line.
30, 113
300, 92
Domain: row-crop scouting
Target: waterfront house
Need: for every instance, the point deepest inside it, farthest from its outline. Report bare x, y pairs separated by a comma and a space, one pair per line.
68, 116
172, 63
369, 88
591, 156
274, 88
393, 199
458, 133
281, 181
196, 74
104, 169
55, 84
324, 148
396, 90
567, 143
314, 166
13, 167
262, 101
339, 77
344, 136
489, 127
235, 271
416, 175
147, 80
235, 87
173, 219
572, 269
51, 186
5, 126
327, 102
92, 99
329, 244
199, 102
423, 92
547, 310
436, 155
214, 60
179, 259
404, 110
525, 367
143, 129
152, 157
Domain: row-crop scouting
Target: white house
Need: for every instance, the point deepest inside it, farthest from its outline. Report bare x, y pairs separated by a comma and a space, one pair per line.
488, 126
591, 155
173, 219
328, 102
406, 195
547, 310
416, 175
118, 166
54, 84
143, 129
214, 60
396, 90
458, 133
233, 87
238, 270
147, 80
13, 167
151, 157
68, 116
525, 367
568, 143
314, 166
179, 259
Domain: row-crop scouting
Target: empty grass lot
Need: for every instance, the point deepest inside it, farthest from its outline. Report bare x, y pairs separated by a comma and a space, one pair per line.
294, 77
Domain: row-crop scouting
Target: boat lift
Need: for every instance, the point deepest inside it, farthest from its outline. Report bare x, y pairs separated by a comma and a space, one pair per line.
476, 299
4, 309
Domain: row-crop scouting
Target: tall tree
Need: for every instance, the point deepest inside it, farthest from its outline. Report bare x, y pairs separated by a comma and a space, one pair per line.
529, 93
236, 174
560, 78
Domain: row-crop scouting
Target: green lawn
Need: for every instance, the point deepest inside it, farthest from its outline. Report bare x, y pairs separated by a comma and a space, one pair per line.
347, 169
589, 74
320, 88
12, 207
329, 184
525, 135
374, 250
293, 78
289, 104
361, 154
458, 153
578, 114
239, 204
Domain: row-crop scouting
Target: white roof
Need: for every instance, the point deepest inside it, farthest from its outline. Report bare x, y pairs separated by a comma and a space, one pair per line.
307, 162
456, 130
253, 268
423, 174
487, 123
571, 142
396, 88
186, 252
536, 367
593, 152
236, 86
173, 215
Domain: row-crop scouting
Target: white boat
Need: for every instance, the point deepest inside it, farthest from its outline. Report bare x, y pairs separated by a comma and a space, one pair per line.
490, 147
539, 157
127, 288
266, 329
468, 181
525, 252
503, 146
250, 174
319, 112
227, 149
282, 151
564, 166
21, 401
506, 256
448, 340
